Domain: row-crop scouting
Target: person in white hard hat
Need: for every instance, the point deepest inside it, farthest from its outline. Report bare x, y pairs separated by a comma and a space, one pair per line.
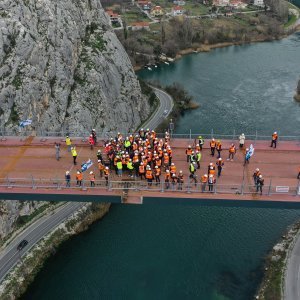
242, 139
274, 139
260, 184
256, 175
68, 179
92, 178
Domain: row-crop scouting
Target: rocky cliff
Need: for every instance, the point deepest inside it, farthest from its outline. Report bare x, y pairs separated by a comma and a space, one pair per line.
62, 66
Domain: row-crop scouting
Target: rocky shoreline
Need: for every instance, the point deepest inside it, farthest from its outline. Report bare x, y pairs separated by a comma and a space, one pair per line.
272, 284
23, 274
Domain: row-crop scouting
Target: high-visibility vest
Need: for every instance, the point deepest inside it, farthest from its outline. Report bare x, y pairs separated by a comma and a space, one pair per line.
169, 152
192, 168
79, 176
68, 142
232, 149
212, 144
219, 146
158, 162
203, 179
211, 170
100, 166
198, 156
119, 165
142, 169
135, 159
129, 165
274, 137
74, 153
157, 172
106, 172
198, 148
173, 169
127, 144
166, 159
149, 174
167, 177
188, 151
180, 178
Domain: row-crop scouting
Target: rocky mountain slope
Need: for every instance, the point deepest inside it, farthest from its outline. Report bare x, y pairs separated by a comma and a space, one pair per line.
61, 65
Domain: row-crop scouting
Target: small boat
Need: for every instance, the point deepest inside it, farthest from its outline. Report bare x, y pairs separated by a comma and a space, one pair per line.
167, 63
149, 69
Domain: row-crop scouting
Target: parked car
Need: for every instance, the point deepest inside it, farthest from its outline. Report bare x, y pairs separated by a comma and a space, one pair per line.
165, 112
22, 245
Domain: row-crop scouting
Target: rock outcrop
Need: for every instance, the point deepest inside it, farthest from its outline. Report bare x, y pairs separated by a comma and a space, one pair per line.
62, 66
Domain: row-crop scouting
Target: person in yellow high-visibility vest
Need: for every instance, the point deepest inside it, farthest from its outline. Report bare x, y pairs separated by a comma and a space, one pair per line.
74, 154
68, 143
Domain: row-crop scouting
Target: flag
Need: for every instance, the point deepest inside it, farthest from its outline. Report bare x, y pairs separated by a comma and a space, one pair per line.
86, 165
250, 152
27, 122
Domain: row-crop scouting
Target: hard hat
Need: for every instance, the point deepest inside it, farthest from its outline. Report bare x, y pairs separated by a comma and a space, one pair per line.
211, 175
173, 175
91, 135
148, 129
99, 160
205, 175
257, 169
212, 139
193, 152
141, 163
72, 148
130, 159
194, 162
180, 171
167, 171
199, 137
67, 172
142, 129
189, 146
172, 164
210, 164
197, 144
78, 172
99, 150
220, 158
243, 134
94, 129
232, 145
106, 167
275, 132
247, 149
91, 172
156, 167
67, 136
260, 176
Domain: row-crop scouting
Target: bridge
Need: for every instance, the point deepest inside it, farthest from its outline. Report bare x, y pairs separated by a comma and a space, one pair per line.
29, 171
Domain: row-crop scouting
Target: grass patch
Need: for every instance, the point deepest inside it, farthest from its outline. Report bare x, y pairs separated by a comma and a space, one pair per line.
291, 21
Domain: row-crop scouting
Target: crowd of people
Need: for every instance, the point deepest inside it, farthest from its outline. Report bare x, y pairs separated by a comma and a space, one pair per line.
145, 156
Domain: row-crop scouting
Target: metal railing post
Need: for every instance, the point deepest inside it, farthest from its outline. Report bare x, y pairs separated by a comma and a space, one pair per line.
32, 180
242, 188
189, 186
162, 183
270, 186
212, 133
215, 188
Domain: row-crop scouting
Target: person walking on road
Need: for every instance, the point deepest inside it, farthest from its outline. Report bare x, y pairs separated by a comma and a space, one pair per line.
247, 157
68, 143
203, 182
188, 153
74, 154
198, 158
91, 141
212, 147
201, 142
274, 139
57, 151
260, 184
219, 148
106, 175
68, 179
242, 139
256, 176
180, 180
211, 182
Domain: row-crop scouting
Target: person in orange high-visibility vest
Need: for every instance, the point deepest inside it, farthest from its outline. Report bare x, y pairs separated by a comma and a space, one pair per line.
167, 179
166, 161
274, 139
188, 153
219, 148
157, 173
142, 170
232, 151
220, 165
180, 180
169, 151
204, 179
106, 174
101, 167
149, 175
92, 178
172, 169
212, 147
211, 169
79, 178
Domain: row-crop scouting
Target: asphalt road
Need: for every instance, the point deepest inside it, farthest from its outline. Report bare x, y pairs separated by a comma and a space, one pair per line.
10, 256
292, 274
34, 233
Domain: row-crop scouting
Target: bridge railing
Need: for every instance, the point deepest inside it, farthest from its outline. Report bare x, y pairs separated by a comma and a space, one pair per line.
233, 135
138, 185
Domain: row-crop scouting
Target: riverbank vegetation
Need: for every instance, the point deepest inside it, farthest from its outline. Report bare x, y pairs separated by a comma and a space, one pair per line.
17, 281
171, 36
275, 265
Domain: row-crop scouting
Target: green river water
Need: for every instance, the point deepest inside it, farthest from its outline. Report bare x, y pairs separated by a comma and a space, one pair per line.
191, 250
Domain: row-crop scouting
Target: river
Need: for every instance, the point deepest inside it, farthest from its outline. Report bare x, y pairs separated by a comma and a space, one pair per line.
245, 88
194, 250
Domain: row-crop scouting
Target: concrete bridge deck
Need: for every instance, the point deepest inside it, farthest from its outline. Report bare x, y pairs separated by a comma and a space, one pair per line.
29, 170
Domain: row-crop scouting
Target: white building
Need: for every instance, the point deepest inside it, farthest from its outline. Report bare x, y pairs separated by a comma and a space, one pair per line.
258, 2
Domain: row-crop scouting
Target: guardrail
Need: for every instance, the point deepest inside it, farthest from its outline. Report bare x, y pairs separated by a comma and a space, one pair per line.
138, 185
189, 135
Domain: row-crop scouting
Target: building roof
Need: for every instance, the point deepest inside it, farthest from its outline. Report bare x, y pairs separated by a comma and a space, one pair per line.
140, 24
